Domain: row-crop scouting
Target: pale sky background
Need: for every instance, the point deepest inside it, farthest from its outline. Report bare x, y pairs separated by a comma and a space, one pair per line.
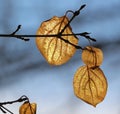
24, 71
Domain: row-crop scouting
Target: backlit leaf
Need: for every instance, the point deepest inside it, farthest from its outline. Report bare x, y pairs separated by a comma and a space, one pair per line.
92, 56
90, 85
28, 108
55, 50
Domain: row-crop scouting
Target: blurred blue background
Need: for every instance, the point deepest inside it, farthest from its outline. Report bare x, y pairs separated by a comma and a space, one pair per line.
23, 70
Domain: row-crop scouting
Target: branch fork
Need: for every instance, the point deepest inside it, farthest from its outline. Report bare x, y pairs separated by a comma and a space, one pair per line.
59, 35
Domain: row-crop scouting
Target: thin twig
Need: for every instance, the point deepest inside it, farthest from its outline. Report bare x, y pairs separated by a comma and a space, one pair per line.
59, 35
76, 13
67, 41
18, 28
84, 34
4, 109
18, 37
21, 99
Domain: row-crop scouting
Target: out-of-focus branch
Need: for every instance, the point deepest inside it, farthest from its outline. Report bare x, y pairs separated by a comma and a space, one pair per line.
5, 110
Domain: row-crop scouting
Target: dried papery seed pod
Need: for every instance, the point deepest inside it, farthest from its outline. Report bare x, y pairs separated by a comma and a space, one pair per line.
28, 108
55, 50
90, 85
92, 56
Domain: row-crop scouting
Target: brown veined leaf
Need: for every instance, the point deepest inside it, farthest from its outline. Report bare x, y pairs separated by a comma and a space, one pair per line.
92, 56
90, 85
55, 50
28, 108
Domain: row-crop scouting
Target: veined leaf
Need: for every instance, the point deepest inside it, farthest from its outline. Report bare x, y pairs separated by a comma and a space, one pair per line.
55, 50
28, 108
90, 85
92, 56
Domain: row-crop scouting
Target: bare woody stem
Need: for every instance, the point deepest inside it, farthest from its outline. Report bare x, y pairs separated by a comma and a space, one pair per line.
5, 110
59, 35
24, 37
51, 35
76, 13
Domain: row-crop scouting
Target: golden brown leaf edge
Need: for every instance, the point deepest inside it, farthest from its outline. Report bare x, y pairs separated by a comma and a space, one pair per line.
28, 108
92, 56
55, 50
90, 85
89, 82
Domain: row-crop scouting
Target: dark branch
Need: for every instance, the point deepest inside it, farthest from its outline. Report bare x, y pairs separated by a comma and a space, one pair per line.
76, 13
59, 35
5, 110
84, 34
18, 37
21, 99
76, 46
18, 28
